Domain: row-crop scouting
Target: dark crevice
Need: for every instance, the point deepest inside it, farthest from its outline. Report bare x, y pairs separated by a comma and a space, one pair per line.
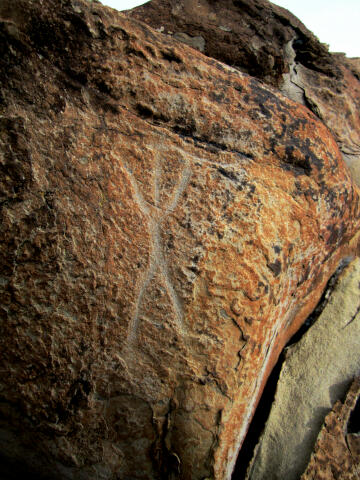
171, 56
258, 422
353, 425
321, 304
228, 174
11, 469
312, 106
263, 409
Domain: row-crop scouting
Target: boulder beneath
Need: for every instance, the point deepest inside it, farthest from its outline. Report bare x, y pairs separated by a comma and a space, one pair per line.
270, 43
167, 223
337, 450
317, 372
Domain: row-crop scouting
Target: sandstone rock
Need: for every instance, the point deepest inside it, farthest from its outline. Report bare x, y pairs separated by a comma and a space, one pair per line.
337, 451
167, 223
195, 42
270, 43
251, 35
353, 64
336, 103
317, 371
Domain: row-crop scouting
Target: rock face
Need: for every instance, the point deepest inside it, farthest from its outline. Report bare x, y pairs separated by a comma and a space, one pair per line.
251, 35
317, 371
337, 450
268, 42
167, 223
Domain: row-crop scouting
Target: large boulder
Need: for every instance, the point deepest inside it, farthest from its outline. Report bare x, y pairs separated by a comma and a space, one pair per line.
317, 371
167, 223
268, 42
251, 35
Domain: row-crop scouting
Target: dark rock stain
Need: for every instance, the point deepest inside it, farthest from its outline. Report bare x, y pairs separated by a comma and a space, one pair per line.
277, 249
275, 267
218, 97
228, 174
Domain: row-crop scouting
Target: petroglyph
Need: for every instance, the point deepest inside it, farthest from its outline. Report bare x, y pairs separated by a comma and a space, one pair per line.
156, 214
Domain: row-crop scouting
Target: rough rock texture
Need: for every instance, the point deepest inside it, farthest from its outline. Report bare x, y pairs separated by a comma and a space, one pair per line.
268, 42
353, 64
337, 449
317, 371
167, 223
250, 35
337, 104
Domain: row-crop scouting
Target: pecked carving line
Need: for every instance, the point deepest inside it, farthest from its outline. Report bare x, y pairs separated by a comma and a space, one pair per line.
158, 261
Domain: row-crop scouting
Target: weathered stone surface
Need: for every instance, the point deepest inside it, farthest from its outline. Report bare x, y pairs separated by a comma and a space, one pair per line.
336, 103
270, 43
317, 371
337, 451
167, 223
251, 35
353, 64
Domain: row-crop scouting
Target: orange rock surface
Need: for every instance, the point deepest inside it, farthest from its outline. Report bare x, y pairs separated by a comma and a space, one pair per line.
167, 223
270, 43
